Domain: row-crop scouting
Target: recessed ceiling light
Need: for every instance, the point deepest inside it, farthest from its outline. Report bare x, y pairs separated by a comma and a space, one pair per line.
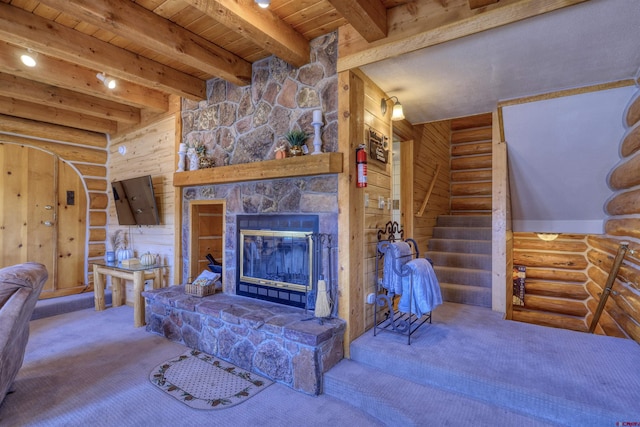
28, 58
263, 3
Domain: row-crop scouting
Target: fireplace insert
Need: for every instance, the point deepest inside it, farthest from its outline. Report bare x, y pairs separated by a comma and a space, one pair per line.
276, 258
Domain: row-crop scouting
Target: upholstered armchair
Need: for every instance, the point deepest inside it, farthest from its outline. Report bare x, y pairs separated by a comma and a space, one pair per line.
20, 286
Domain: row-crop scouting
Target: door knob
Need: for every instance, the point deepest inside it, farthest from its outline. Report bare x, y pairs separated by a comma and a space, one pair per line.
48, 223
48, 207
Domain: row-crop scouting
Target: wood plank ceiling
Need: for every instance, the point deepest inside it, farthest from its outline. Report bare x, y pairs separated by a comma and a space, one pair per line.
157, 48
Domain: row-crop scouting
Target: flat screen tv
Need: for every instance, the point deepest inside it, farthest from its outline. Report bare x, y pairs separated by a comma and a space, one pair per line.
135, 201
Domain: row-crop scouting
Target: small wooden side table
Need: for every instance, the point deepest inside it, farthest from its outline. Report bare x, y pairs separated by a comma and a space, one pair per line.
137, 274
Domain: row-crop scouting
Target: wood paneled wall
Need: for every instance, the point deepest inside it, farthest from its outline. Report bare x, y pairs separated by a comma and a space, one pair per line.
430, 151
86, 153
471, 146
150, 150
379, 185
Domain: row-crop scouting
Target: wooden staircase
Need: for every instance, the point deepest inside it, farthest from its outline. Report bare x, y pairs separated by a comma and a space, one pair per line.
460, 247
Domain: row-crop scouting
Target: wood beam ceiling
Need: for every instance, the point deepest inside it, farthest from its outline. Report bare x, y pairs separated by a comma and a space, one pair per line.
368, 17
423, 23
162, 48
52, 96
62, 74
476, 4
261, 25
25, 29
133, 22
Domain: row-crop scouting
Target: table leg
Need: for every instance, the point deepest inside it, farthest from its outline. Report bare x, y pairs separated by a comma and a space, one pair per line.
138, 302
157, 281
98, 289
116, 291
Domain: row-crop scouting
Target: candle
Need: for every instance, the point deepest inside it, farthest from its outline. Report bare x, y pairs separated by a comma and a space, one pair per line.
317, 116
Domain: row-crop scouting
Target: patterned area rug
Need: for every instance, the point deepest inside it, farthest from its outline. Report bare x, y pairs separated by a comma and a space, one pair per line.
202, 381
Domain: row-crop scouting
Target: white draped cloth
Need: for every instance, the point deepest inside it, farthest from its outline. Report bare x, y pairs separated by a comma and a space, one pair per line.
426, 288
401, 272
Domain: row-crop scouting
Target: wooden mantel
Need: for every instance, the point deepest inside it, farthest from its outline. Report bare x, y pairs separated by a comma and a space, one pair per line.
318, 164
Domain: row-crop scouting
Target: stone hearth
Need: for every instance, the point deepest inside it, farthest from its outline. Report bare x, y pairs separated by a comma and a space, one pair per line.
283, 343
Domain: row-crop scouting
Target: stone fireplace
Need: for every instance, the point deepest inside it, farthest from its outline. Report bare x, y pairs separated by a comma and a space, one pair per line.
240, 126
303, 205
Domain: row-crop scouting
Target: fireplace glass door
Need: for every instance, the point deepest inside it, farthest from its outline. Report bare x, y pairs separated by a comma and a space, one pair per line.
277, 259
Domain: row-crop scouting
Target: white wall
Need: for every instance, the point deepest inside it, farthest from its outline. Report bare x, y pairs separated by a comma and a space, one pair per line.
560, 151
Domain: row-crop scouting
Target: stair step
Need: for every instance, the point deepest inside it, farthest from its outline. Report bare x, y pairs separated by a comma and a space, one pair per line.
453, 259
394, 400
66, 304
548, 374
464, 221
468, 233
460, 246
465, 294
463, 276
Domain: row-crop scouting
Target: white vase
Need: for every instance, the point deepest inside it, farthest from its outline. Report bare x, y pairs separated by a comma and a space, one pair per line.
194, 159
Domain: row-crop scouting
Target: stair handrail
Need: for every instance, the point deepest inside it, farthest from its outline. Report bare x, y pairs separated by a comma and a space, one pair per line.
622, 250
426, 198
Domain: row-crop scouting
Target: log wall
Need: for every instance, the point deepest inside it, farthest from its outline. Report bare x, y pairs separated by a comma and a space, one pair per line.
556, 279
621, 316
471, 148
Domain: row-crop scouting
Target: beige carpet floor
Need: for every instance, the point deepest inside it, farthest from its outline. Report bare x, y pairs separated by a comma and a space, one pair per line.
89, 368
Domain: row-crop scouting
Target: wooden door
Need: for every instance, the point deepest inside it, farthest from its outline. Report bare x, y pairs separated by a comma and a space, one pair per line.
32, 212
29, 208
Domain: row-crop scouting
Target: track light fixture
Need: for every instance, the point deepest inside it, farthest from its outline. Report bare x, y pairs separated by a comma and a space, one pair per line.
28, 58
397, 113
109, 82
263, 3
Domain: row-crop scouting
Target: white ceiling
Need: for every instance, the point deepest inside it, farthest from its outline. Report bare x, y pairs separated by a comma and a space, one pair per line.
590, 43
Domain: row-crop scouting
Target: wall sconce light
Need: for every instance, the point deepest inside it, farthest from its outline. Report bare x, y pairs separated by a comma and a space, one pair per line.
109, 82
397, 113
29, 58
263, 3
547, 237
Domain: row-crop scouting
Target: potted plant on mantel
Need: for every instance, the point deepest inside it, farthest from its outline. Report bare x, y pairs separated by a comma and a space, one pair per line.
296, 139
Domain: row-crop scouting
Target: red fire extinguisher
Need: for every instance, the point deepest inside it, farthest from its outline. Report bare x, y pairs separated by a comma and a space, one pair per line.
361, 163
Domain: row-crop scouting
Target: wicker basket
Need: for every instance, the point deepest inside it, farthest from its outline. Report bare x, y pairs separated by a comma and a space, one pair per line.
200, 291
